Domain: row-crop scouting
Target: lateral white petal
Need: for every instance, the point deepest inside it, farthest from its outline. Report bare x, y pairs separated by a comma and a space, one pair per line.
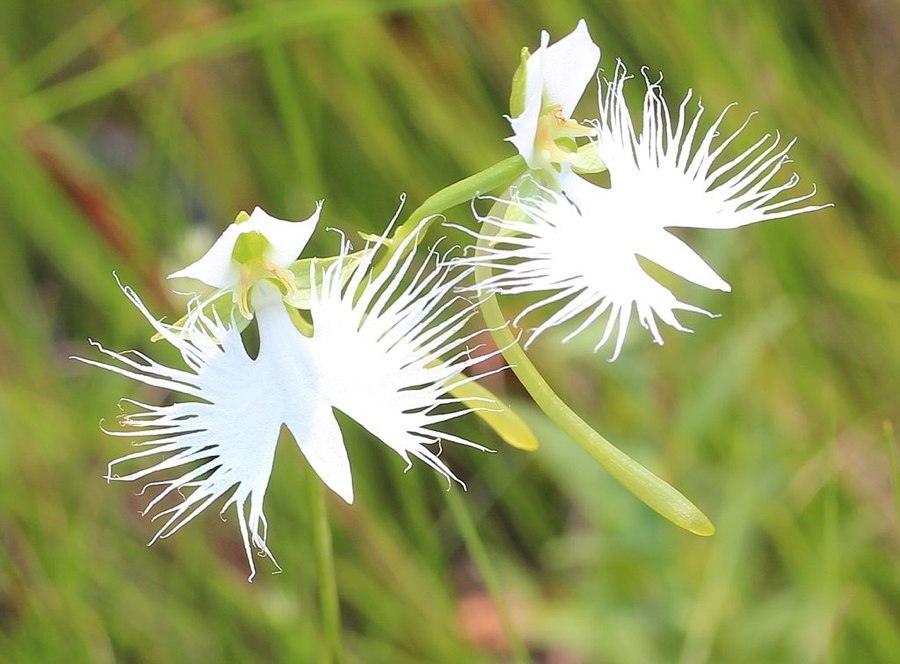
216, 267
555, 75
288, 238
381, 349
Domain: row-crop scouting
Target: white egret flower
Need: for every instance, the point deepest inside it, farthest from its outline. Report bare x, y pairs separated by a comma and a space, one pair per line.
377, 354
582, 245
555, 78
223, 437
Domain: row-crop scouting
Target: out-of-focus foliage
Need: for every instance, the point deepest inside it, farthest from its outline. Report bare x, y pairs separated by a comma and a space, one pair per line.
132, 131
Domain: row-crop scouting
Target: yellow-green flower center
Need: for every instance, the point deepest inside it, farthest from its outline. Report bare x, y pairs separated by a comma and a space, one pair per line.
251, 253
556, 134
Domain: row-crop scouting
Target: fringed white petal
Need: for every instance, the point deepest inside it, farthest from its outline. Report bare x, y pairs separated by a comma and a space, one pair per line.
585, 261
672, 174
613, 217
382, 344
287, 239
223, 439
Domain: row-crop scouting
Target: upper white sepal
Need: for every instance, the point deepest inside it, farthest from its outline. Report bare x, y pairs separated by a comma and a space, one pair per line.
287, 240
555, 75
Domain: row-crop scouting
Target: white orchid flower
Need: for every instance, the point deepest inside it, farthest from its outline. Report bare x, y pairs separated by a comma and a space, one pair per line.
376, 355
582, 245
555, 78
224, 437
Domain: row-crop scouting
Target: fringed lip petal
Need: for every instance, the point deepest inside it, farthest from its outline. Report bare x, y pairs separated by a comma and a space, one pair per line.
295, 382
671, 174
677, 257
232, 427
380, 345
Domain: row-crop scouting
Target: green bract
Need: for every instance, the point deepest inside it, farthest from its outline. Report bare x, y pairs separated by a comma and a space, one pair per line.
305, 268
517, 93
587, 160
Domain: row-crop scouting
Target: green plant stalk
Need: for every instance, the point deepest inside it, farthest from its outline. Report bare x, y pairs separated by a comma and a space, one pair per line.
482, 561
890, 439
494, 177
328, 597
652, 490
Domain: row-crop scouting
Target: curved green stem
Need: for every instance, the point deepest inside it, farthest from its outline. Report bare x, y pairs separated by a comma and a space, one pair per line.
501, 174
655, 492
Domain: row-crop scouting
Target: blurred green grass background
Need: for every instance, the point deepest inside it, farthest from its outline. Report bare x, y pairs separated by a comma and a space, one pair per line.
132, 131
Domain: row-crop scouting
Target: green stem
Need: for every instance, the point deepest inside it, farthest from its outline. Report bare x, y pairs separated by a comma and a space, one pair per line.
501, 174
482, 561
655, 492
328, 597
